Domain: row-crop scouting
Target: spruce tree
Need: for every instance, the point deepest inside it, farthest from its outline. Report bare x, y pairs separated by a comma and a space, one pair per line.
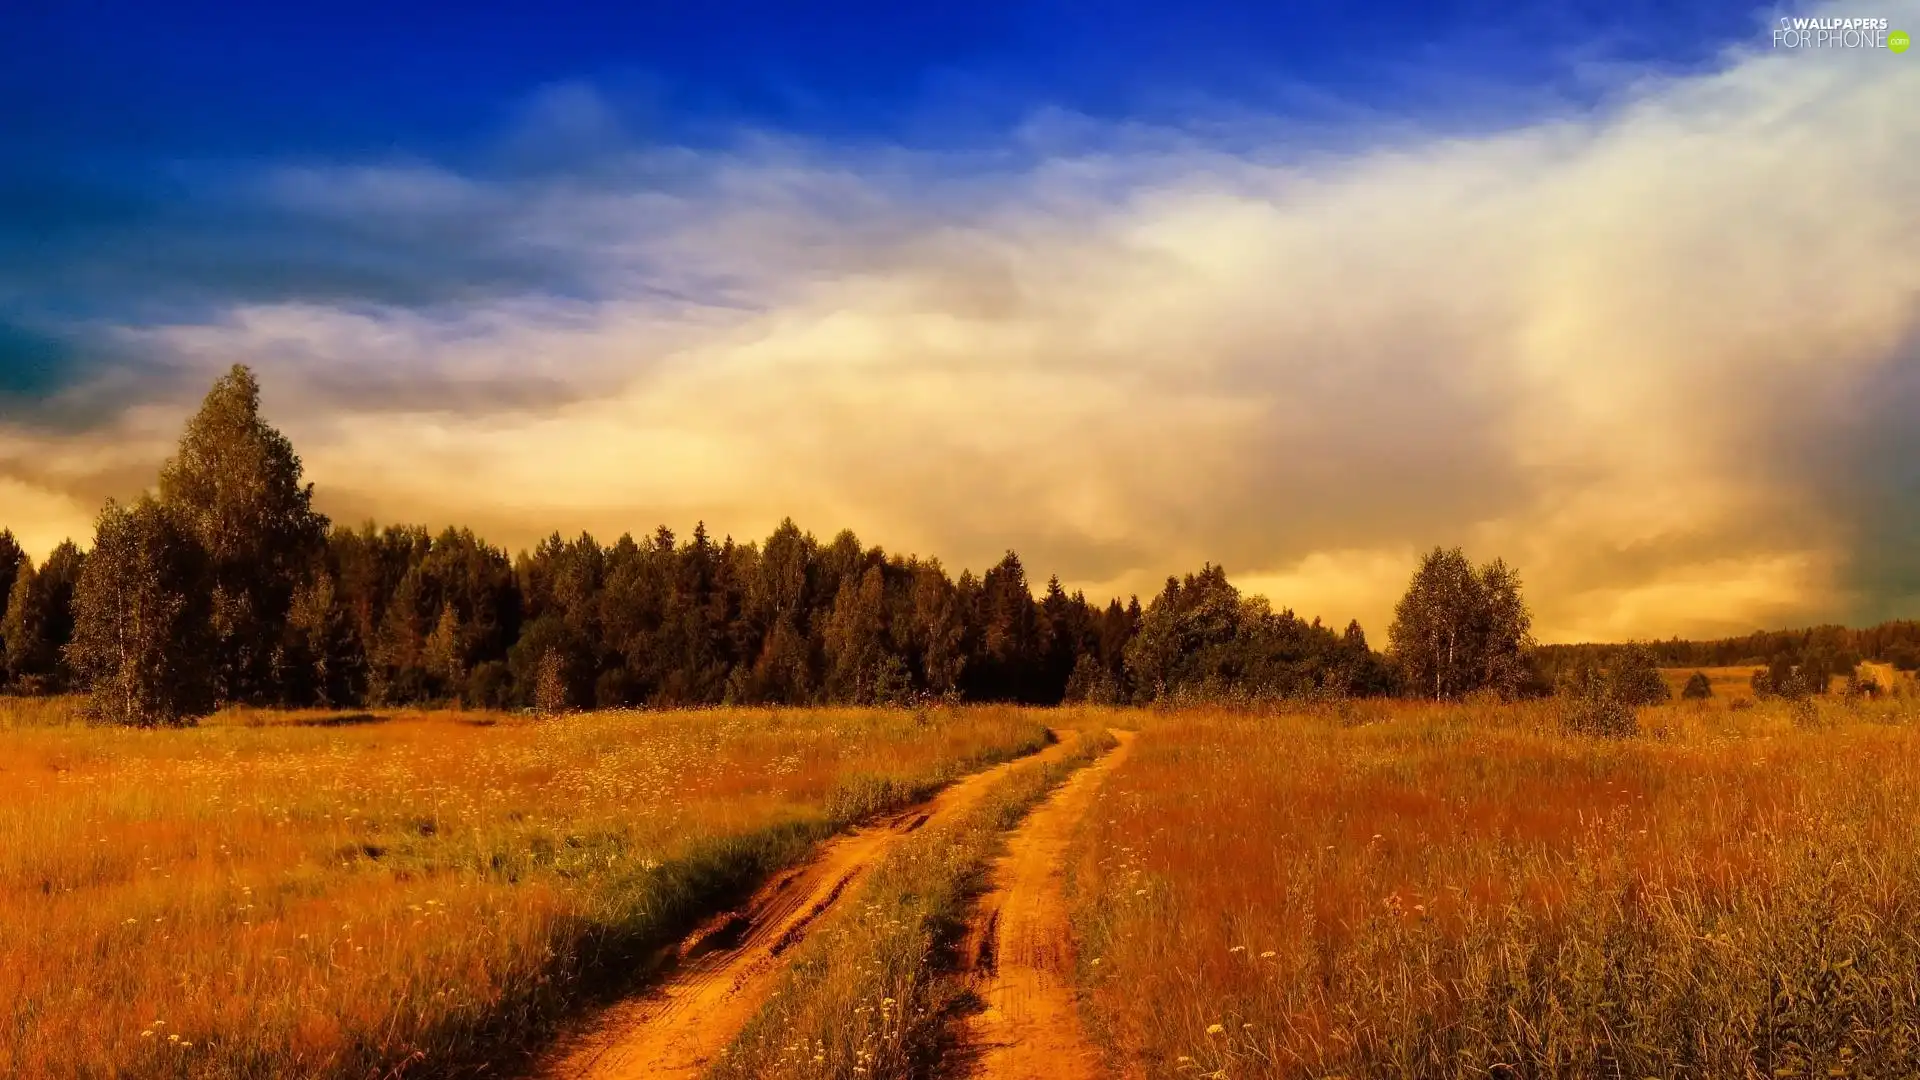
39, 622
13, 560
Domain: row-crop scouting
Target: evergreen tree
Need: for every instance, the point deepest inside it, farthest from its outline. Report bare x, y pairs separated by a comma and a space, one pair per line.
1008, 656
142, 617
235, 486
13, 560
323, 662
39, 622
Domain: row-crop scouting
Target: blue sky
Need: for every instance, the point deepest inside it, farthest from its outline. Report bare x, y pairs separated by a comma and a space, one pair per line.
128, 123
122, 82
1301, 289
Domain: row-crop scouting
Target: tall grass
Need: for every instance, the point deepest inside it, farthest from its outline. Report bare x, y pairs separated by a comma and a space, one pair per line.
1410, 891
280, 894
871, 993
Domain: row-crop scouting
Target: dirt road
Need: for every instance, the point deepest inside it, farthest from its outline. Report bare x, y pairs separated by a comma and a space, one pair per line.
727, 968
1021, 946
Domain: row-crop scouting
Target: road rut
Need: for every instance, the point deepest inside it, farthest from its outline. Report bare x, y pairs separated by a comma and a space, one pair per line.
727, 968
1020, 947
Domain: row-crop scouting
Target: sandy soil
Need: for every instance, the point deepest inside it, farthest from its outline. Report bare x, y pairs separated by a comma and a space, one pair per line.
1020, 947
728, 966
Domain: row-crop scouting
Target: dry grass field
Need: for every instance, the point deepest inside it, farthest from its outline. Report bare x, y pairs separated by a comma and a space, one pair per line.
394, 894
1372, 889
1420, 891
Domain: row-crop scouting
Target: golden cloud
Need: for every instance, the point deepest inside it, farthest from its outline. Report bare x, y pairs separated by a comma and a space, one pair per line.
1609, 346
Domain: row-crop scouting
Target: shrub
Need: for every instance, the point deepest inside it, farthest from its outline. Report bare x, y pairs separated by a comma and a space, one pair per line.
1805, 713
1862, 686
1636, 679
1698, 688
489, 686
1592, 704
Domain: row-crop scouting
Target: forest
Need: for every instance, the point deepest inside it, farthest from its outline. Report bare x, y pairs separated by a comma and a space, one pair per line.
228, 587
240, 592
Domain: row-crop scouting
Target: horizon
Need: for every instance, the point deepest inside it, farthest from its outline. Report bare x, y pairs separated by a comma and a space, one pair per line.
1624, 297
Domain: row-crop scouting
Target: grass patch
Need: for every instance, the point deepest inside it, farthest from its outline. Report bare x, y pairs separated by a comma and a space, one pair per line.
260, 896
1463, 891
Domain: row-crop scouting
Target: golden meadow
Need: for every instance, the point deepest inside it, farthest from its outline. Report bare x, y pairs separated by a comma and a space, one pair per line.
1409, 890
274, 894
1371, 889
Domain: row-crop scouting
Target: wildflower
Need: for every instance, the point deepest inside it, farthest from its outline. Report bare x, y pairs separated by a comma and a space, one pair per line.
1238, 949
1268, 955
1216, 1029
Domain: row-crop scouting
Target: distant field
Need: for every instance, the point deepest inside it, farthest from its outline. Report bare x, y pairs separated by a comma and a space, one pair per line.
1461, 891
314, 894
1727, 682
1737, 681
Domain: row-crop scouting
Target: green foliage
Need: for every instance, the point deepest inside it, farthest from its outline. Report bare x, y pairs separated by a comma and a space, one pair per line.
142, 620
1458, 629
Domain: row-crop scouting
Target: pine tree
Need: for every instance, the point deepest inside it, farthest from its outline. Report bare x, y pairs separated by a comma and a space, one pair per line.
323, 662
235, 486
141, 640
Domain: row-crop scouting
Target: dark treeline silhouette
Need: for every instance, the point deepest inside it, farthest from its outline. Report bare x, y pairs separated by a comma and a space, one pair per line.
228, 588
1836, 650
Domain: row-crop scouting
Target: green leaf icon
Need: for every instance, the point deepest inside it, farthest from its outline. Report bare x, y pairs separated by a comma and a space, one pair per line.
1898, 41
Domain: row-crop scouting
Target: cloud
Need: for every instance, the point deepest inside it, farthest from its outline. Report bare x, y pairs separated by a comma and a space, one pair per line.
1648, 351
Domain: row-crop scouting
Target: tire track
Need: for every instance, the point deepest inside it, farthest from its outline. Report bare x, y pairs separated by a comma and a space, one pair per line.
727, 967
1020, 946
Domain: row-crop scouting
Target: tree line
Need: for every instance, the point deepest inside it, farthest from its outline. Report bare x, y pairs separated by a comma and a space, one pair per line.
226, 586
1816, 652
